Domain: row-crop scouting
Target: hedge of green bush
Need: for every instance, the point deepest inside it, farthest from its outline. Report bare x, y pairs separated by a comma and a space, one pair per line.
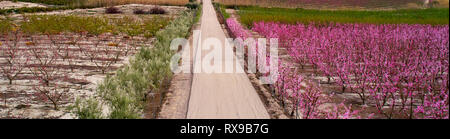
124, 94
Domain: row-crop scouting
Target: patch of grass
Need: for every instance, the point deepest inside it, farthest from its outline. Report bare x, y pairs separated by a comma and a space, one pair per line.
55, 24
5, 26
222, 11
434, 16
198, 14
151, 26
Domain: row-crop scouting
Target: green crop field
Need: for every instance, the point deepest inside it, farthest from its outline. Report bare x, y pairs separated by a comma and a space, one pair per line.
249, 15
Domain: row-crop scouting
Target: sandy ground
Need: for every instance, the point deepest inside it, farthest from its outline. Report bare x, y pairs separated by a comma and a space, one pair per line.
13, 5
221, 95
21, 101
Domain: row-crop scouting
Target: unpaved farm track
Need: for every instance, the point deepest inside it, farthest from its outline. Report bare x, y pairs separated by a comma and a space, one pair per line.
221, 95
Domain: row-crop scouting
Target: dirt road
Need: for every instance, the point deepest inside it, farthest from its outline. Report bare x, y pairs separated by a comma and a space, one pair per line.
221, 95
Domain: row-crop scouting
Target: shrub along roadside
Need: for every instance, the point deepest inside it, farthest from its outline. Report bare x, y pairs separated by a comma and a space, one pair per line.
198, 13
124, 94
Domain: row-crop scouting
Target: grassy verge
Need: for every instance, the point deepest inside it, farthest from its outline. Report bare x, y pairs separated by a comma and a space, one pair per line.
198, 14
221, 8
124, 94
435, 16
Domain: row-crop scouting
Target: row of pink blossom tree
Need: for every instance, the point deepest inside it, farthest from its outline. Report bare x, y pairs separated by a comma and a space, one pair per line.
402, 70
292, 88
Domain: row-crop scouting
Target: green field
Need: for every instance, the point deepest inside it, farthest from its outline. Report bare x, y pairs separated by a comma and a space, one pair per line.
435, 16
